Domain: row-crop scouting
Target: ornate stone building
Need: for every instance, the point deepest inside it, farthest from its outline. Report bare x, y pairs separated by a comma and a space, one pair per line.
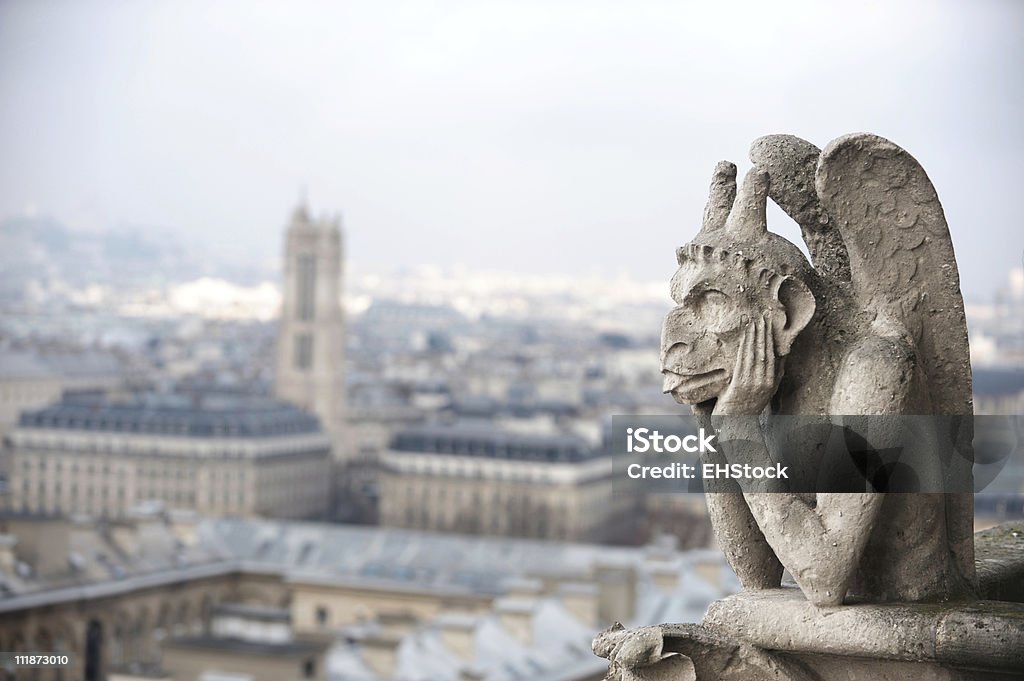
311, 338
103, 455
479, 480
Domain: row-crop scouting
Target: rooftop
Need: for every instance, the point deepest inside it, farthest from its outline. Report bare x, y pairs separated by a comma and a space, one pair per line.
558, 645
195, 414
243, 646
486, 441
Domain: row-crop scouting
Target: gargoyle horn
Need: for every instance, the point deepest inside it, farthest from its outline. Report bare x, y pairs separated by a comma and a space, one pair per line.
721, 197
748, 219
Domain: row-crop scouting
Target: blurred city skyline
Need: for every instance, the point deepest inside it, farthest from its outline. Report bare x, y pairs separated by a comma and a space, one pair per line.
238, 442
523, 138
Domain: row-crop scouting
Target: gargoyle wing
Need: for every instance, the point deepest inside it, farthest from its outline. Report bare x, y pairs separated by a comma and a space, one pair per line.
902, 269
905, 280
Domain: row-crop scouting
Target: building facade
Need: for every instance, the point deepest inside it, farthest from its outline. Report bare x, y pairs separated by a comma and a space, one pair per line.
310, 367
104, 455
479, 480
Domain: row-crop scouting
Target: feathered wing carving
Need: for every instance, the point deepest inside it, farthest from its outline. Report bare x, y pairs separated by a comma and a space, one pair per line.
870, 216
902, 268
904, 279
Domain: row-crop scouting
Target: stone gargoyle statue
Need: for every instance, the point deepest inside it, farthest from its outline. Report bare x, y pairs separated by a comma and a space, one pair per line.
872, 324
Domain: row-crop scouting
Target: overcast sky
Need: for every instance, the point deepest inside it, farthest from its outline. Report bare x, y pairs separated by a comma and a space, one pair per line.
551, 136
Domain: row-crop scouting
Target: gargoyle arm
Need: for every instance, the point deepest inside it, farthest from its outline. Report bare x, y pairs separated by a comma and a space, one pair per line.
821, 544
740, 537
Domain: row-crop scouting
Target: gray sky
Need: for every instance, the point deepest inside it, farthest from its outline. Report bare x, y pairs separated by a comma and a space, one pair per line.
568, 137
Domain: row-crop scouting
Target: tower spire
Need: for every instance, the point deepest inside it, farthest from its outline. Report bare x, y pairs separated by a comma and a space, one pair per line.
310, 347
301, 212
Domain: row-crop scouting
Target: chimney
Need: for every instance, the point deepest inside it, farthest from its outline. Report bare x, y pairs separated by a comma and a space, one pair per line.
380, 653
466, 603
516, 617
458, 633
616, 588
581, 600
397, 622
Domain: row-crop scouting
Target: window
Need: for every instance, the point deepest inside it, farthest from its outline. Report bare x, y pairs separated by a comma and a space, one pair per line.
306, 282
303, 351
321, 616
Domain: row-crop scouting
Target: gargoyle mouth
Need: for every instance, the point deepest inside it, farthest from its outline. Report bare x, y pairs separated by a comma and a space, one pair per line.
674, 382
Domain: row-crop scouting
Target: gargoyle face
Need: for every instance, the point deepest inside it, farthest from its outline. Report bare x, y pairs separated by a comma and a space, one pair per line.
715, 300
701, 335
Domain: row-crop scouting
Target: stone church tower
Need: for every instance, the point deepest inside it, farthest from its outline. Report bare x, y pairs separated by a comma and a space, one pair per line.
311, 335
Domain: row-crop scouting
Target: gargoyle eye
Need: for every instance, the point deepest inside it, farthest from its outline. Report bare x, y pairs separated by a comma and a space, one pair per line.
706, 296
712, 295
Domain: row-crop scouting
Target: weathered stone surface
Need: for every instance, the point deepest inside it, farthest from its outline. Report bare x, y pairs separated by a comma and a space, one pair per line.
872, 325
983, 635
989, 634
791, 164
778, 634
999, 556
688, 652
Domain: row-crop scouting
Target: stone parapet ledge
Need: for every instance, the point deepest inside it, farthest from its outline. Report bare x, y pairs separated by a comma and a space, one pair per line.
982, 635
999, 558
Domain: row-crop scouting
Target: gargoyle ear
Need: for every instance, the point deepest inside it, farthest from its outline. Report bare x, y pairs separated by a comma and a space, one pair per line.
799, 304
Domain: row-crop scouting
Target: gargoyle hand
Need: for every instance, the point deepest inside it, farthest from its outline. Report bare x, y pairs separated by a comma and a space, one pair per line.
754, 378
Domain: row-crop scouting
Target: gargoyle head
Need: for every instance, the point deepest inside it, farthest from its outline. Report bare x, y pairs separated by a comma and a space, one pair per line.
733, 271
